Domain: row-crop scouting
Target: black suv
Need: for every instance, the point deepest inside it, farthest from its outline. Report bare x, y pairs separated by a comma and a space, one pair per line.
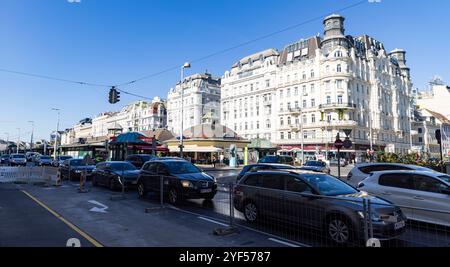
315, 200
277, 160
182, 180
139, 160
71, 169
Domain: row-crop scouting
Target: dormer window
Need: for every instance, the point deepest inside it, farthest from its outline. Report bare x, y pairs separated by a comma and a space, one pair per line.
338, 54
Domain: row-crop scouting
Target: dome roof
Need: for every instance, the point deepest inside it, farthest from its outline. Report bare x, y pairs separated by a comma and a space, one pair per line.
210, 131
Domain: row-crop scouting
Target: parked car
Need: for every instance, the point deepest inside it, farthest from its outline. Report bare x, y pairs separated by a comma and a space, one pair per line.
29, 156
342, 162
261, 166
277, 159
4, 159
113, 174
60, 160
17, 160
42, 160
315, 200
317, 166
361, 171
182, 180
166, 158
72, 169
423, 190
138, 160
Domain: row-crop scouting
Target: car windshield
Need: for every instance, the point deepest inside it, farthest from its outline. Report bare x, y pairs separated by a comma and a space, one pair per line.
445, 178
181, 167
329, 185
269, 159
315, 164
123, 166
18, 156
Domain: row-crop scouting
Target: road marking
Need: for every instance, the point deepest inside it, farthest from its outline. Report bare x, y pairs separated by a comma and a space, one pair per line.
75, 228
239, 225
209, 220
283, 243
97, 209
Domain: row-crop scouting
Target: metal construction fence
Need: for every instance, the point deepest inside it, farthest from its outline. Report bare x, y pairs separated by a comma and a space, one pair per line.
29, 175
323, 221
304, 218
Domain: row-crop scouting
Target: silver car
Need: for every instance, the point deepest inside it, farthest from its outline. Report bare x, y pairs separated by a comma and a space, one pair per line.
422, 195
361, 171
17, 160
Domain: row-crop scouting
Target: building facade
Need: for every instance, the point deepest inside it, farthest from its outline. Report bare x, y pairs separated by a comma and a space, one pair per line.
436, 98
424, 127
201, 102
316, 88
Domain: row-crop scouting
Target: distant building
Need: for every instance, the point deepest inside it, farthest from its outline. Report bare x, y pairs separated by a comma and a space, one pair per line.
436, 98
424, 132
201, 102
322, 85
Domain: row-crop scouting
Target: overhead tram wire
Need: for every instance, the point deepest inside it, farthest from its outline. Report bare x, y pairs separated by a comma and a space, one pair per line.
195, 60
248, 42
53, 78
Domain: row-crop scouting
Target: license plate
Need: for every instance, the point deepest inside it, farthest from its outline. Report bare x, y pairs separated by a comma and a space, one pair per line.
399, 225
206, 190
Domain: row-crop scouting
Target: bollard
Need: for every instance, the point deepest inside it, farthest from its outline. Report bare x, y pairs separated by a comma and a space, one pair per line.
366, 232
58, 178
82, 182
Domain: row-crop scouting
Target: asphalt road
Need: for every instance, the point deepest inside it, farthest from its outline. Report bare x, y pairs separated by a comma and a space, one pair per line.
23, 222
119, 223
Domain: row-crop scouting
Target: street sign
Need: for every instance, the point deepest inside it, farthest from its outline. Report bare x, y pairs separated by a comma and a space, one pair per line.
347, 143
338, 144
348, 132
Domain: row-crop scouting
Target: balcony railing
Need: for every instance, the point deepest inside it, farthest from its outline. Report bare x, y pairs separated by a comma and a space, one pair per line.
338, 106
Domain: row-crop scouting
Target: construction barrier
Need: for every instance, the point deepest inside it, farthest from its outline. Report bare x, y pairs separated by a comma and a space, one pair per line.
28, 175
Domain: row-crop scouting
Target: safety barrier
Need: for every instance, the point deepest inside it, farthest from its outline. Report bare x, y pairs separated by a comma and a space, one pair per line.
28, 175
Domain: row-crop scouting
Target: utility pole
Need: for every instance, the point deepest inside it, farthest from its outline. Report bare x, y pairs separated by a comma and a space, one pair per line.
18, 142
7, 142
56, 133
32, 133
186, 65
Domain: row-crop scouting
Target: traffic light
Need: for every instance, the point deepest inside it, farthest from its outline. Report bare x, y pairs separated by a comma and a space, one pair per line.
114, 95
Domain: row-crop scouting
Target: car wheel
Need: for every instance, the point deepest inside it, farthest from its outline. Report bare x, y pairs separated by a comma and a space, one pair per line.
141, 190
339, 230
174, 196
251, 212
210, 197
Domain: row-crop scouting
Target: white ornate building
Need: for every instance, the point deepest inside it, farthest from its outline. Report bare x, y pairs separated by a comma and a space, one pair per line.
201, 102
322, 85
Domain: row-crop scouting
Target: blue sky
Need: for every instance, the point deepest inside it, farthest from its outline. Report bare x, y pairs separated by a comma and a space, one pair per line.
114, 41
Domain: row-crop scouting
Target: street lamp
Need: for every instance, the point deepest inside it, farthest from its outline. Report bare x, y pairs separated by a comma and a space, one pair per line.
32, 133
186, 65
7, 141
56, 133
18, 141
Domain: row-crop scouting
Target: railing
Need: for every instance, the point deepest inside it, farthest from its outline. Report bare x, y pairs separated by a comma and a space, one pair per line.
338, 106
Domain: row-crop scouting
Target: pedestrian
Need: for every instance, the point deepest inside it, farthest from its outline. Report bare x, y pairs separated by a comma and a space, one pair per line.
214, 160
221, 158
